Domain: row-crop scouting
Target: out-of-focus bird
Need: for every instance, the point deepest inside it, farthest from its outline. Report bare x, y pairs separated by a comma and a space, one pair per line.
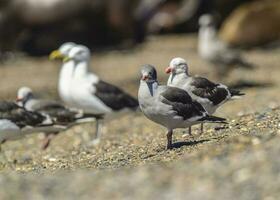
213, 50
89, 92
170, 107
66, 72
209, 94
59, 113
16, 122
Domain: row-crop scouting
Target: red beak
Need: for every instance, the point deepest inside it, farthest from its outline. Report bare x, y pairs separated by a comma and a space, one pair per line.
18, 99
168, 70
145, 77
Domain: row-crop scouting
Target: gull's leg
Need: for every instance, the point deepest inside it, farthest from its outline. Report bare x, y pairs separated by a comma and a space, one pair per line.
190, 131
201, 128
47, 140
5, 159
169, 139
98, 132
98, 129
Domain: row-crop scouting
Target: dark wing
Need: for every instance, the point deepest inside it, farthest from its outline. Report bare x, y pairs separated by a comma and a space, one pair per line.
114, 97
182, 103
207, 89
228, 56
44, 105
58, 112
20, 116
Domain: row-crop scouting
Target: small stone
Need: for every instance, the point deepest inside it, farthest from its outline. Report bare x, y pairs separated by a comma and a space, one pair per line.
256, 141
242, 175
52, 159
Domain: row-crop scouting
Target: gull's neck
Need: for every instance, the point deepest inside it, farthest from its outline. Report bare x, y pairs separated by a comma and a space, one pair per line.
67, 69
65, 77
207, 35
177, 79
81, 68
149, 88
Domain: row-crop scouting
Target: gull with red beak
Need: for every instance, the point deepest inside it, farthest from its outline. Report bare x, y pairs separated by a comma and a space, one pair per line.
209, 94
16, 122
60, 114
170, 107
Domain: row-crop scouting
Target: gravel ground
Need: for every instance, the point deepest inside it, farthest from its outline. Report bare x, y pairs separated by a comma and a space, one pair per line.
236, 161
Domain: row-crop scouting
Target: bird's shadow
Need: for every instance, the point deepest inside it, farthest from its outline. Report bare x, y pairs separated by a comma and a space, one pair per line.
177, 145
243, 84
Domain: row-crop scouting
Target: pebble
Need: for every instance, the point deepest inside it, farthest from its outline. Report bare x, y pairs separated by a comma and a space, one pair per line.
256, 141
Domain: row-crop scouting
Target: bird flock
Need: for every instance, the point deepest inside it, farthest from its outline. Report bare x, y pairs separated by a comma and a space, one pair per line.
182, 102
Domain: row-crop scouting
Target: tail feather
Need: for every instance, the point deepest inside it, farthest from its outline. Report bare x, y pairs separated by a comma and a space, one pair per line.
213, 119
131, 102
244, 64
235, 93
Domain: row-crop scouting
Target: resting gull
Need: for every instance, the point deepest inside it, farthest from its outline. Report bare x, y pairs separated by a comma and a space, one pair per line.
59, 113
16, 122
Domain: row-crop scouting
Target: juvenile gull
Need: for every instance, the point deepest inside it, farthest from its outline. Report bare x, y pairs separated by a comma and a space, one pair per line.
209, 94
90, 93
16, 122
59, 113
215, 51
170, 107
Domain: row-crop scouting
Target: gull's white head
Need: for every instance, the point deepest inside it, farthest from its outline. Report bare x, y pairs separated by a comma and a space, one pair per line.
177, 66
63, 51
206, 20
79, 53
23, 95
66, 47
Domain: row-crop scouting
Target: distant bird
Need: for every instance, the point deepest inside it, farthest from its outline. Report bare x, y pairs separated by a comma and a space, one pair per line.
170, 107
209, 94
89, 92
66, 72
215, 51
60, 114
16, 122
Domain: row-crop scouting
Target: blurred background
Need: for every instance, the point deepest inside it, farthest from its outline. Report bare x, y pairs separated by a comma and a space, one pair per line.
36, 27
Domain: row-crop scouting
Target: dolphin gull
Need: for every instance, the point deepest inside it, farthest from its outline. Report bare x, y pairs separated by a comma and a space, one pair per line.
168, 106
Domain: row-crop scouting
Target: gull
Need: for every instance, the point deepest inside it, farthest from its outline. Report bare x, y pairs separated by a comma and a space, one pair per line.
66, 72
168, 106
90, 93
213, 50
16, 122
209, 94
59, 113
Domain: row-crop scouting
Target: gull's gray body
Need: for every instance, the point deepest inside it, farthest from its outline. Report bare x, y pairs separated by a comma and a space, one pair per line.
159, 112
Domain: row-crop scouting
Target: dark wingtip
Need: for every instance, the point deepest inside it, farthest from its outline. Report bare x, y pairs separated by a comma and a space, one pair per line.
234, 92
213, 119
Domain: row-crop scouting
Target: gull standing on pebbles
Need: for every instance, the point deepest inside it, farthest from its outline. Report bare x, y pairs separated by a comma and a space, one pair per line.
213, 50
210, 95
90, 93
170, 107
59, 113
16, 122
